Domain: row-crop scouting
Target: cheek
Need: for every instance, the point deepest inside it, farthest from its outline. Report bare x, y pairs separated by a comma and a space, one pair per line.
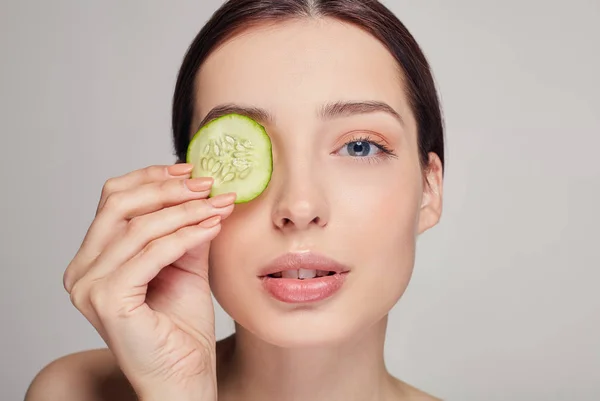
383, 210
380, 200
236, 250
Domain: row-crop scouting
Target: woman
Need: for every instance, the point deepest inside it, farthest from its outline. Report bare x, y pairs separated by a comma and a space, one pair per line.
348, 101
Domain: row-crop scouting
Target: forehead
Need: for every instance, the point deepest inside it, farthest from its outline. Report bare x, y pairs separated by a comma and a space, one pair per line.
292, 68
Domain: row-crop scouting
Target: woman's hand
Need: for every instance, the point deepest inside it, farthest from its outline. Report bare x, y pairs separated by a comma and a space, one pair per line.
141, 278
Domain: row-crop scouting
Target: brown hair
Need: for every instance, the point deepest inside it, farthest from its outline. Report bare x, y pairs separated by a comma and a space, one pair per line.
369, 15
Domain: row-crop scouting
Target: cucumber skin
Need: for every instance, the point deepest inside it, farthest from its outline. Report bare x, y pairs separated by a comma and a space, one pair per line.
261, 188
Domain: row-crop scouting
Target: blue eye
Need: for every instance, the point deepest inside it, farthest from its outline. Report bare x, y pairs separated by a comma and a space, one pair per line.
366, 149
360, 149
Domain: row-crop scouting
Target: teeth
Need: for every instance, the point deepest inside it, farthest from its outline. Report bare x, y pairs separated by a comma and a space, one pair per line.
289, 274
300, 273
304, 273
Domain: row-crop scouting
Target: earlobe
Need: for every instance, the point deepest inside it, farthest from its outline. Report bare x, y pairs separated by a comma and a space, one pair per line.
431, 205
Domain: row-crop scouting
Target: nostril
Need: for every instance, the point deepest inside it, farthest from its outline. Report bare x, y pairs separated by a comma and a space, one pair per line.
286, 221
319, 221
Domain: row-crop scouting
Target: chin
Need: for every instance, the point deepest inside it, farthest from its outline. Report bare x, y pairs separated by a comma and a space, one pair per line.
301, 337
339, 315
304, 327
325, 323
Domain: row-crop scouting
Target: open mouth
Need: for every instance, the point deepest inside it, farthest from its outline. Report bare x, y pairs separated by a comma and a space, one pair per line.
303, 277
302, 274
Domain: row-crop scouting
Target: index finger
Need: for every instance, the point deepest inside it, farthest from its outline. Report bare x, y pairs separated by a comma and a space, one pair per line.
142, 176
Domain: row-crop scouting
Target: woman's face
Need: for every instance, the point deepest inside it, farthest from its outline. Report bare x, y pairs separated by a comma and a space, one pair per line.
334, 191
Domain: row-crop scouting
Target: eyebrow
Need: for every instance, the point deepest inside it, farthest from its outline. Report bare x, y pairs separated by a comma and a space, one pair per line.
255, 113
327, 111
346, 109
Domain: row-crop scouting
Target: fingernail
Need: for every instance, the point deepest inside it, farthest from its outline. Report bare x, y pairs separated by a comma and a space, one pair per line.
198, 184
222, 200
211, 222
180, 169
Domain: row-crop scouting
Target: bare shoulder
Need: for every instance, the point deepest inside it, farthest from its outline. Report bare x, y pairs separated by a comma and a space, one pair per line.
91, 375
408, 392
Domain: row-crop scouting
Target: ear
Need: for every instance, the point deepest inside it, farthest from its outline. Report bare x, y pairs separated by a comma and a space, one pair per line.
431, 205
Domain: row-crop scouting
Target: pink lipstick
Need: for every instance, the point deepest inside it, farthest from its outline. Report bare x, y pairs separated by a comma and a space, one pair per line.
303, 277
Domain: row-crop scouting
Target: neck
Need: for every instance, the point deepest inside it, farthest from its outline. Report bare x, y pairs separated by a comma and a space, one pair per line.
353, 370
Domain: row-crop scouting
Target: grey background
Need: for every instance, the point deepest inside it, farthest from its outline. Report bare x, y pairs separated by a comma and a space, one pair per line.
504, 302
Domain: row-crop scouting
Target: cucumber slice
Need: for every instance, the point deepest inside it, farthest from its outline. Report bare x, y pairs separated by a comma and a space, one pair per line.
236, 151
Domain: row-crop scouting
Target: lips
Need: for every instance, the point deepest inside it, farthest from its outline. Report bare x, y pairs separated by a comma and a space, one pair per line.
303, 277
302, 261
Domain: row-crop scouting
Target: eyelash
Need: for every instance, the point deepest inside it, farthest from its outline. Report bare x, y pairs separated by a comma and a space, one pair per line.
386, 152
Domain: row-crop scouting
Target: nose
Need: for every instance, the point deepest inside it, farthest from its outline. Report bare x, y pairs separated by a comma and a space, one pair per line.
300, 201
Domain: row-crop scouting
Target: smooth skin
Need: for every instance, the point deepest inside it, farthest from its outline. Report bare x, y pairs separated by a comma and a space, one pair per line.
143, 275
